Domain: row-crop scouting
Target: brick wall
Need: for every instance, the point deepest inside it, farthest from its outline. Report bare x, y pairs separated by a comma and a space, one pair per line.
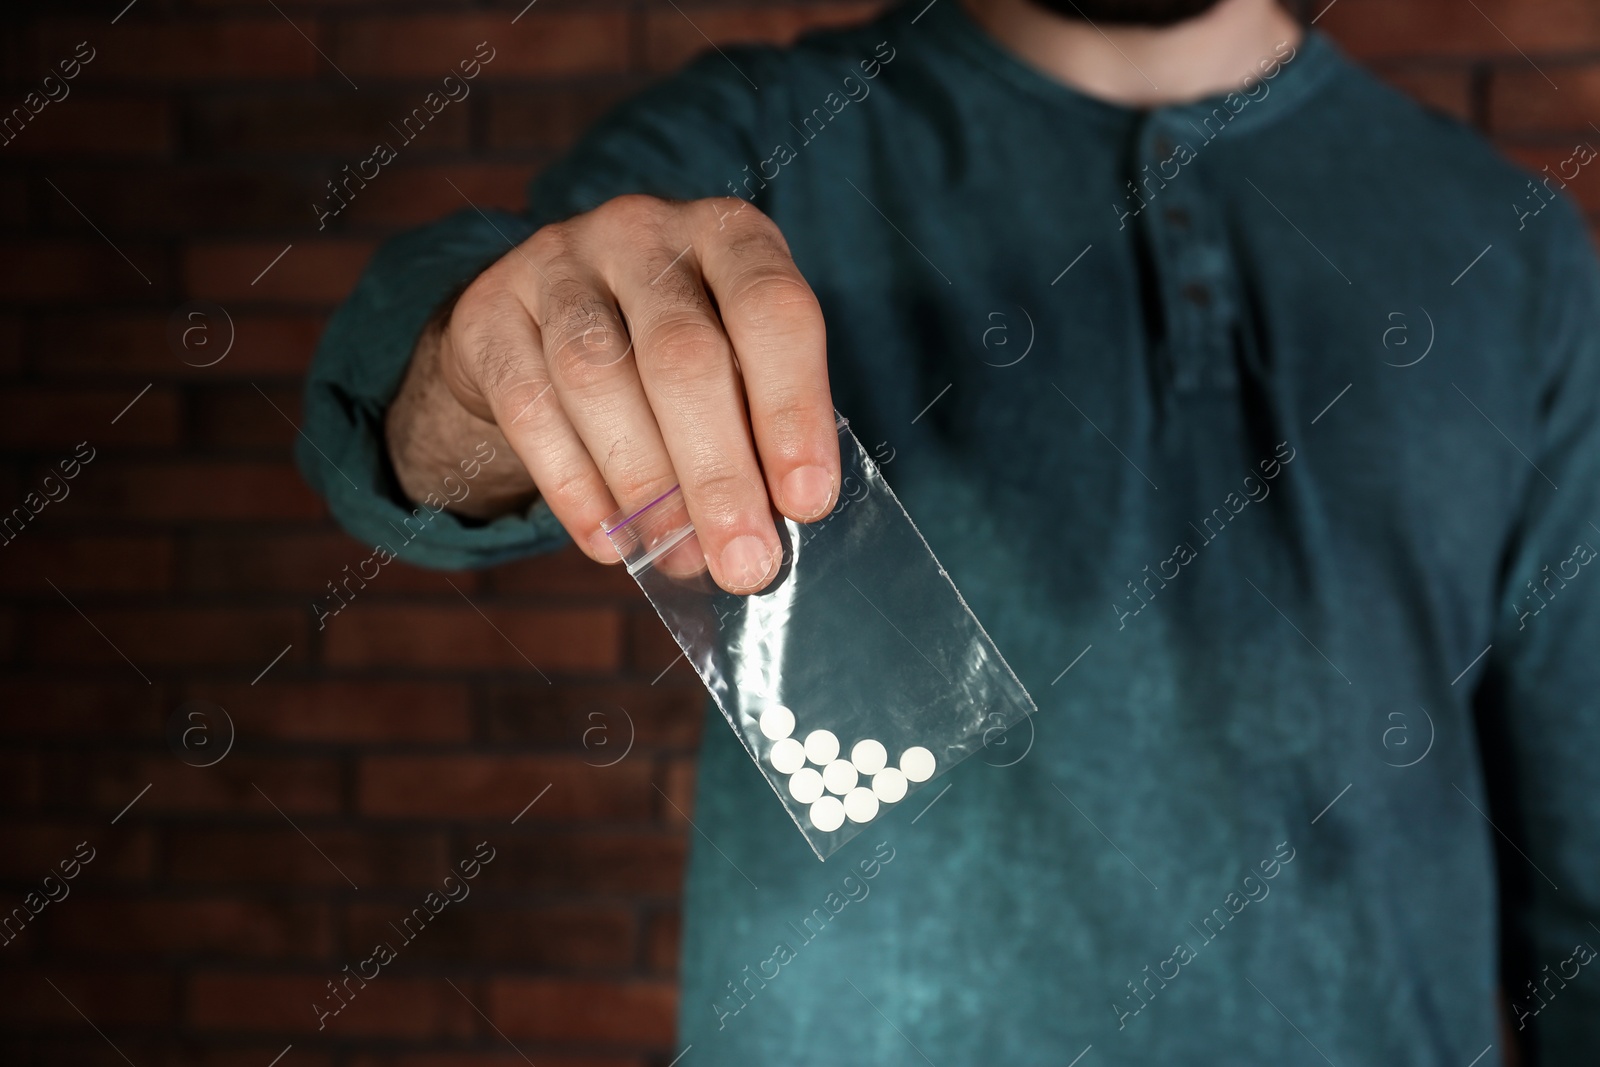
369, 760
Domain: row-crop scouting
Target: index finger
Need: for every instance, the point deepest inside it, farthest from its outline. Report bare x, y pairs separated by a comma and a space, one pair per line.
780, 343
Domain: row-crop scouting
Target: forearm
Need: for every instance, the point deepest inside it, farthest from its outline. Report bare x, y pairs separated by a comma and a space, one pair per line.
429, 433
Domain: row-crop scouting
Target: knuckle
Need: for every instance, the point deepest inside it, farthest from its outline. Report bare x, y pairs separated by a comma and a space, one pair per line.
570, 490
547, 244
526, 400
775, 294
500, 363
580, 330
684, 348
635, 479
719, 494
752, 223
631, 210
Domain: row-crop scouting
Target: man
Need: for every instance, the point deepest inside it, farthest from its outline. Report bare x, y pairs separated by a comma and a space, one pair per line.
1251, 408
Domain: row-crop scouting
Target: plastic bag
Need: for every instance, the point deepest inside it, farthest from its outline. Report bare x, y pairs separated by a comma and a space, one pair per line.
861, 636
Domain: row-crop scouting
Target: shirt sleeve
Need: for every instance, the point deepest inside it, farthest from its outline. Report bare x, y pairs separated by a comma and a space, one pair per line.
686, 138
1540, 701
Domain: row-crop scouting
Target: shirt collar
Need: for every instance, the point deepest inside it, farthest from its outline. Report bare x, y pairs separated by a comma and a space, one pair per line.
1295, 80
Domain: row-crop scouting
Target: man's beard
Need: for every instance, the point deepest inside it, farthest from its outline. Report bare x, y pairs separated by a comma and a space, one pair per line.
1129, 12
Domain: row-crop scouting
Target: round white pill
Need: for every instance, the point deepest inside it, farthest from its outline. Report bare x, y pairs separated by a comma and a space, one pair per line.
861, 804
869, 756
822, 748
917, 764
777, 722
839, 776
827, 814
805, 785
889, 785
787, 756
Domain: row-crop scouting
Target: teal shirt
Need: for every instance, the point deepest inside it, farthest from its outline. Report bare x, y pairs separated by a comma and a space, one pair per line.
1261, 435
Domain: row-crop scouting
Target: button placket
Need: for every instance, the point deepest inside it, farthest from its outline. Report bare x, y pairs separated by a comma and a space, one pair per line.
1188, 251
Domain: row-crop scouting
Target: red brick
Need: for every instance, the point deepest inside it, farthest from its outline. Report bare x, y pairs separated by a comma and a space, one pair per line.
20, 779
301, 563
539, 45
629, 1013
548, 120
673, 37
389, 1006
488, 786
270, 856
573, 937
491, 1059
160, 635
411, 196
10, 634
653, 652
567, 573
53, 417
1584, 187
109, 997
240, 417
193, 199
663, 942
1522, 102
214, 927
187, 52
56, 707
122, 853
1372, 28
313, 271
1446, 89
118, 344
15, 208
344, 712
90, 563
185, 1051
677, 782
10, 344
349, 125
183, 490
99, 126
299, 786
459, 638
39, 270
600, 719
591, 862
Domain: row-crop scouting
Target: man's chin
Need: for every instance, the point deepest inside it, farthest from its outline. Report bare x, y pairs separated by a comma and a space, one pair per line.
1129, 12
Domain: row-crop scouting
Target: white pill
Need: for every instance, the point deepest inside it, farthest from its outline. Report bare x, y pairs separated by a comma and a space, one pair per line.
839, 776
889, 785
827, 814
822, 748
777, 722
861, 804
869, 756
805, 785
917, 763
787, 756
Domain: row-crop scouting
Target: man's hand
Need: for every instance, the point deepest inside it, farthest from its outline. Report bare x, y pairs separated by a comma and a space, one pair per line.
645, 344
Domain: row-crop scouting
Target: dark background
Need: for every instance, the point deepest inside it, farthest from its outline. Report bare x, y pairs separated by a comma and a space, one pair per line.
373, 755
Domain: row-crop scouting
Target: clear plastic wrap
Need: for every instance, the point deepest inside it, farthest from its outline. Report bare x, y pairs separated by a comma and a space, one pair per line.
861, 638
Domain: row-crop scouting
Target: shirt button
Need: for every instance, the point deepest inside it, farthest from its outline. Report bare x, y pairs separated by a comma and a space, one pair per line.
1178, 217
1163, 147
1197, 294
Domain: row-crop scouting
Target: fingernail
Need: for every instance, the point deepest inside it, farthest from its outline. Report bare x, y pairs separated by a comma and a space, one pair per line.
745, 562
603, 549
807, 492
